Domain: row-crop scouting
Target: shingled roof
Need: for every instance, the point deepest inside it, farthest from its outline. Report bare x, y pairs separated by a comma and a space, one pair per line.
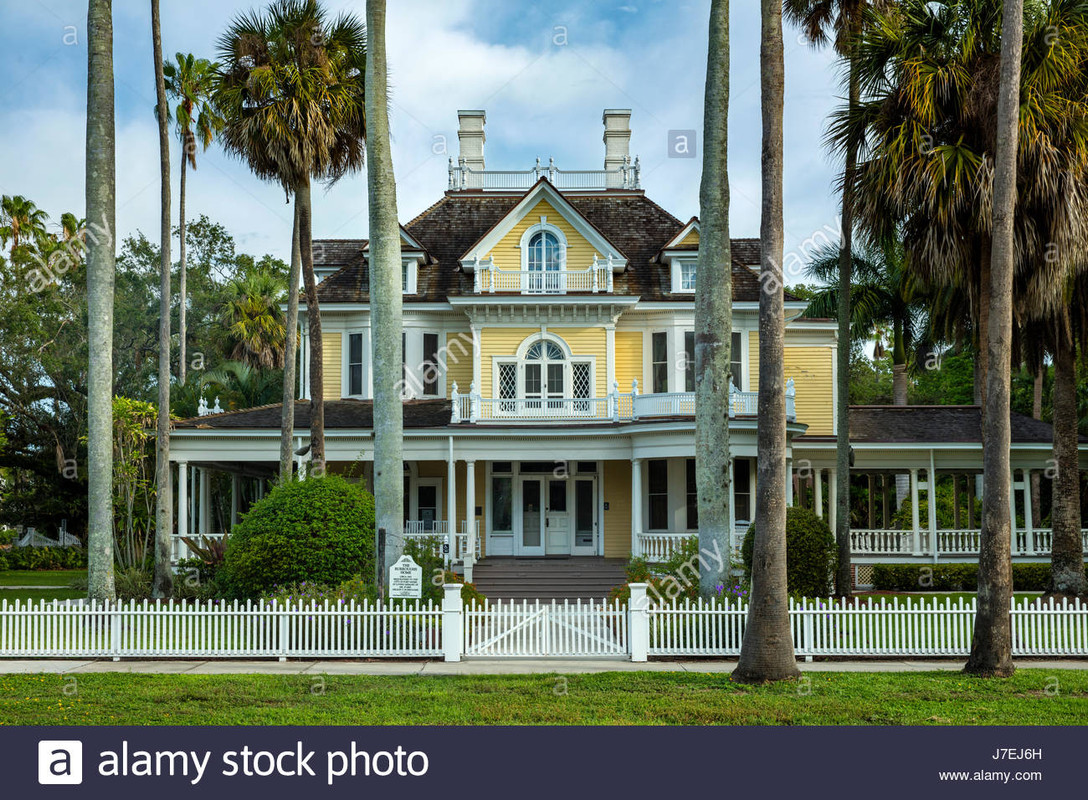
933, 424
348, 414
636, 225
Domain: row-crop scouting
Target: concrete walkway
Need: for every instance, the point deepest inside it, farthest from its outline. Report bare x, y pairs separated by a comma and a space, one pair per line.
474, 666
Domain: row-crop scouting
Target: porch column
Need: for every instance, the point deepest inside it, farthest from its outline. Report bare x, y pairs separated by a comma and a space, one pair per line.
1029, 528
451, 492
183, 498
636, 503
205, 501
234, 501
610, 355
1012, 511
931, 497
914, 512
476, 356
789, 482
732, 507
194, 497
818, 490
470, 498
833, 507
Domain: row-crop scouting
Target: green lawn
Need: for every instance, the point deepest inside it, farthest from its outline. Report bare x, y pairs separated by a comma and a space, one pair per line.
40, 594
46, 577
1031, 697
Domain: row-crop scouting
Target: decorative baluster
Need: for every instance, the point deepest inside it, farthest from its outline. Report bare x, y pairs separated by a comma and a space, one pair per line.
473, 403
455, 402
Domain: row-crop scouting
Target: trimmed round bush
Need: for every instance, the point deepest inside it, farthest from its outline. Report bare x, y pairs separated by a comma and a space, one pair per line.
317, 530
811, 555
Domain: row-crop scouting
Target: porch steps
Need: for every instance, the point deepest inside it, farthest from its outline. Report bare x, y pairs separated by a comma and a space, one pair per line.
548, 578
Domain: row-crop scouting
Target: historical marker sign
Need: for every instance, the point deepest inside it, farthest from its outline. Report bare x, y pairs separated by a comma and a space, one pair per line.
406, 579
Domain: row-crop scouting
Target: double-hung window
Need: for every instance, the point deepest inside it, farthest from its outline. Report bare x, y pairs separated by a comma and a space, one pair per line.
355, 364
431, 370
659, 361
658, 486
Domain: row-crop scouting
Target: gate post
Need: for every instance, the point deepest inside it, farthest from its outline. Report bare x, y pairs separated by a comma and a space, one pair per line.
452, 624
639, 622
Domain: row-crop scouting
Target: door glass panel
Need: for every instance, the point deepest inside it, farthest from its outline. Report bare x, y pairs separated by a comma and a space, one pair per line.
532, 380
428, 505
584, 513
530, 514
557, 496
502, 504
555, 380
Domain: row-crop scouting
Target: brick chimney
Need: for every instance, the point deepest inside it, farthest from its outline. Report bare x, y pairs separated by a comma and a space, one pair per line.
617, 137
470, 137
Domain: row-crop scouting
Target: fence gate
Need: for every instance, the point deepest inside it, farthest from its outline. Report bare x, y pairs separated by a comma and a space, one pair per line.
532, 629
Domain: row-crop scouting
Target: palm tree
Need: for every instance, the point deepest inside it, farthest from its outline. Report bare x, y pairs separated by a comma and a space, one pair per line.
841, 21
767, 650
991, 644
164, 506
189, 80
240, 385
253, 321
287, 409
884, 295
385, 296
291, 90
101, 209
22, 221
714, 310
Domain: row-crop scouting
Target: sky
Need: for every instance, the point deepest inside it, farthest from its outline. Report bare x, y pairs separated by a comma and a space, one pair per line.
543, 71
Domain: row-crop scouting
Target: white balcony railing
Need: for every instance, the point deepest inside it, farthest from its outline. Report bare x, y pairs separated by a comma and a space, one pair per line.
658, 546
616, 407
596, 278
462, 177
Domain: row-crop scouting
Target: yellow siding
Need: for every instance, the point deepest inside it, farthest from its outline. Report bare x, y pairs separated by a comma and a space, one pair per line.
628, 358
498, 342
690, 239
812, 371
331, 351
507, 253
617, 519
458, 361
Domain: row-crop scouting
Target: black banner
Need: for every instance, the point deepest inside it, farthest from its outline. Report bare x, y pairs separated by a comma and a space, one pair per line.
182, 762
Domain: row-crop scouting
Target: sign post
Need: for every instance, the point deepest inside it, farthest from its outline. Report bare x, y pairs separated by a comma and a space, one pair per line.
405, 579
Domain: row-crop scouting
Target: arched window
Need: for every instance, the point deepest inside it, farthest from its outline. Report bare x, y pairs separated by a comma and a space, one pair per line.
545, 263
546, 377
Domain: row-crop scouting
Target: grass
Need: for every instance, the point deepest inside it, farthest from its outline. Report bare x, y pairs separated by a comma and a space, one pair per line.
1031, 697
39, 595
48, 577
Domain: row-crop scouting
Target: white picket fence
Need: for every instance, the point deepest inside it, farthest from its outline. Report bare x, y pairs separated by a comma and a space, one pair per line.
143, 629
835, 627
596, 628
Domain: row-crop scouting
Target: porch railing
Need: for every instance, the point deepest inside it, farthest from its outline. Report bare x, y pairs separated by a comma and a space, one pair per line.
595, 278
658, 546
959, 541
435, 533
617, 406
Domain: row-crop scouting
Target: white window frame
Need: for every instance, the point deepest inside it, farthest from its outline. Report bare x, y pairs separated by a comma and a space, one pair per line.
519, 360
363, 334
409, 272
678, 265
543, 226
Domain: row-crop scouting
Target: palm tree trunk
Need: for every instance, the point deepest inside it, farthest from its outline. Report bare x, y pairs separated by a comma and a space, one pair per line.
1066, 559
984, 311
899, 364
163, 585
843, 576
290, 357
991, 645
767, 651
101, 265
1036, 478
714, 315
385, 296
182, 352
313, 324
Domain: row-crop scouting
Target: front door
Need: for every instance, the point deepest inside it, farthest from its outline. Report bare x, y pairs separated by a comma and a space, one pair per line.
557, 521
532, 517
585, 517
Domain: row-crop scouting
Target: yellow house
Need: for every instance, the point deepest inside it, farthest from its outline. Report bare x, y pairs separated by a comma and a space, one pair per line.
549, 374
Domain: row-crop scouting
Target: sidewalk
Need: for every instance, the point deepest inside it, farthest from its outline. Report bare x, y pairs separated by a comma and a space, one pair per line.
475, 666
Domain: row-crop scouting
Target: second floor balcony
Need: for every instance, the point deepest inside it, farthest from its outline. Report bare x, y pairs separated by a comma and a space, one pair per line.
615, 407
549, 279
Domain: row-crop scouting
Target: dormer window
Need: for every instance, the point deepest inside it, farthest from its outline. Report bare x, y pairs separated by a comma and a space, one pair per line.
683, 274
408, 271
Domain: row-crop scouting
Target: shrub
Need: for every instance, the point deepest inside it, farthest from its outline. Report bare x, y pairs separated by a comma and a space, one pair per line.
435, 575
41, 558
952, 577
318, 530
811, 555
3, 563
676, 579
